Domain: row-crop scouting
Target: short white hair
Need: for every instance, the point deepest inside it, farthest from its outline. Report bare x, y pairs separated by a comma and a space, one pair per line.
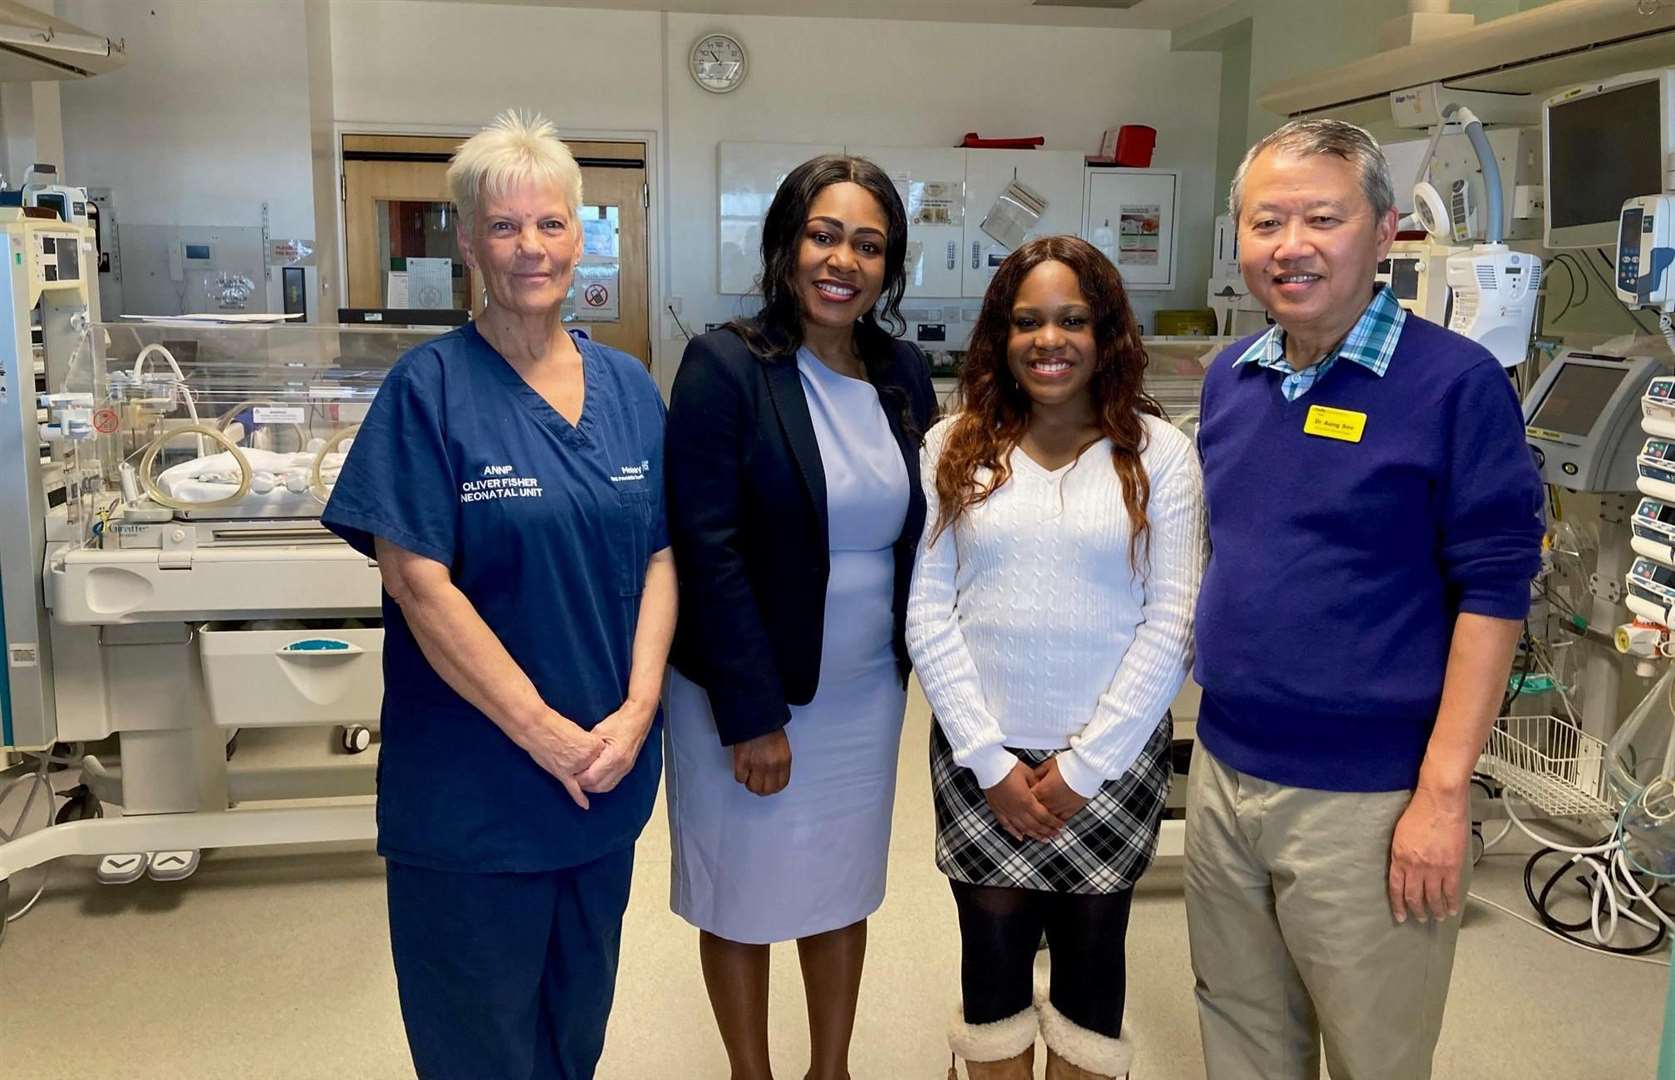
516, 148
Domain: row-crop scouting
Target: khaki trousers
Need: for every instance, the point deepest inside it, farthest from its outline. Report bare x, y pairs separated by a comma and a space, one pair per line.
1292, 938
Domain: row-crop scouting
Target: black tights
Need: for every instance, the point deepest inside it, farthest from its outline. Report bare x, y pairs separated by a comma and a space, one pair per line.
1000, 930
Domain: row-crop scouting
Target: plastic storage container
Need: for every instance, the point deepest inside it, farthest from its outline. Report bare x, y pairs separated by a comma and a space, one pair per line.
1135, 143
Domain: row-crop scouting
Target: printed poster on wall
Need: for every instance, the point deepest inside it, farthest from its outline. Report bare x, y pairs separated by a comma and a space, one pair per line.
595, 293
601, 226
1139, 235
430, 283
935, 202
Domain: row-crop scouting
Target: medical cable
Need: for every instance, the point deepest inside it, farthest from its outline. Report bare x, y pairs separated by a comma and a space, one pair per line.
1612, 291
1634, 887
149, 458
678, 323
38, 781
1569, 260
180, 377
1603, 898
1504, 910
1570, 300
1615, 894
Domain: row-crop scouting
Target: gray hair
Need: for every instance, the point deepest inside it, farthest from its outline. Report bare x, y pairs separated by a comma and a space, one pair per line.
516, 148
1301, 138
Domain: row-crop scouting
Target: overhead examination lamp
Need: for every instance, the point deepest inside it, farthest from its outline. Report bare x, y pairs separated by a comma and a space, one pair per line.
1494, 287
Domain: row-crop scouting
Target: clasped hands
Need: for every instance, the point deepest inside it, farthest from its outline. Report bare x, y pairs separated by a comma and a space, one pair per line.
592, 762
1034, 803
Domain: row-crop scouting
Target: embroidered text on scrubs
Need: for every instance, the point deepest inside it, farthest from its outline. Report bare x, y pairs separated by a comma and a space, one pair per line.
627, 474
498, 484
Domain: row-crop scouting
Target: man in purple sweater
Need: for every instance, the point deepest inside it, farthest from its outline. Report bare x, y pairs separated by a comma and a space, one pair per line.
1375, 522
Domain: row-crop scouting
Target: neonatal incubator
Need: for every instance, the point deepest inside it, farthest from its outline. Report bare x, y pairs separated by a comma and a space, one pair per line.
165, 577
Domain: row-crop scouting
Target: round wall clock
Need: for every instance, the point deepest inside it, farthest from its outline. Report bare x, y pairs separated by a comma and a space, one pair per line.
718, 63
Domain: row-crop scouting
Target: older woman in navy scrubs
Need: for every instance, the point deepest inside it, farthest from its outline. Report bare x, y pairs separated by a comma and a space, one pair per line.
508, 480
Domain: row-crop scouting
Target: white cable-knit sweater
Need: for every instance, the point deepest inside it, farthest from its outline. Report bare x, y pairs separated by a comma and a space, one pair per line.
1027, 626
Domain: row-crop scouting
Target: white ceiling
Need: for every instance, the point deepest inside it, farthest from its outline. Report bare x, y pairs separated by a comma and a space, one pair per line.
1145, 15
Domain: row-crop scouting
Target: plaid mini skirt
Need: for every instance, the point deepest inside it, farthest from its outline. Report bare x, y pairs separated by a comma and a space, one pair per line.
1103, 849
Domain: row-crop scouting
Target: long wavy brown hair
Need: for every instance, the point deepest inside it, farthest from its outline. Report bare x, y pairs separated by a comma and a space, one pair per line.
995, 410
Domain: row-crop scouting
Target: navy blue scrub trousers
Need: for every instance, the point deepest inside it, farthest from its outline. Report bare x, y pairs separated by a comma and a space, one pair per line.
507, 976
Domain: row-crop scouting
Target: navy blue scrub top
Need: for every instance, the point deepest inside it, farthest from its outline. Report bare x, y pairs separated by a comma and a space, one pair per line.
547, 529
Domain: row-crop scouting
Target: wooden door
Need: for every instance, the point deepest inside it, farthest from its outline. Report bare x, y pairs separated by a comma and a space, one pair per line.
396, 207
614, 307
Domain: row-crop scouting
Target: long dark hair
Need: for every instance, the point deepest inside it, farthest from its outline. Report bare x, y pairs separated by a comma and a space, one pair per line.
776, 331
994, 409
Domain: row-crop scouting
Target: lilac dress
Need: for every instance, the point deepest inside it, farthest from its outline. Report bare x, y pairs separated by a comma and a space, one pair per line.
812, 857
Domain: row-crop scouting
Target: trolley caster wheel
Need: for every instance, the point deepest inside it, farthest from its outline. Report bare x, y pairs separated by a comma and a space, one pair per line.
355, 739
80, 805
1477, 846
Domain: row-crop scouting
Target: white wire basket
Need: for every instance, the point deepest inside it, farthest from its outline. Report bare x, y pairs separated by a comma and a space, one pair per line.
1551, 764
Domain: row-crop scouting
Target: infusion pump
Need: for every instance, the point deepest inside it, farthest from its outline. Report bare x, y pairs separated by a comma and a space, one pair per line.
1645, 251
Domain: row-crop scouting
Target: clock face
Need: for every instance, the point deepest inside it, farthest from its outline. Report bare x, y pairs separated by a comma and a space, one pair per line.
718, 63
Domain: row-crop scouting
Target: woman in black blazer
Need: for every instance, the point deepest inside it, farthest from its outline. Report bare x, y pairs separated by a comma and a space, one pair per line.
794, 511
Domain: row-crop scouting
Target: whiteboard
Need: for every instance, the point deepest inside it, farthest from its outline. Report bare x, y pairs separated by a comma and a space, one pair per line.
748, 174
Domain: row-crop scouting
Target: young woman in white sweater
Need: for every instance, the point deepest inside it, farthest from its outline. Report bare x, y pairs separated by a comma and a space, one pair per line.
1050, 620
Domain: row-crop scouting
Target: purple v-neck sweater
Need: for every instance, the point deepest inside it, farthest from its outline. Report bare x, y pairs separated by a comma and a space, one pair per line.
1337, 569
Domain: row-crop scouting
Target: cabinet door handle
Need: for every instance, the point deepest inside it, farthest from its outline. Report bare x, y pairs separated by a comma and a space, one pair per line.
976, 254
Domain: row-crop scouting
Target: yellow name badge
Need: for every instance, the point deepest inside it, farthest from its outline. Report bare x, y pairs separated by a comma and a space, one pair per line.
1331, 423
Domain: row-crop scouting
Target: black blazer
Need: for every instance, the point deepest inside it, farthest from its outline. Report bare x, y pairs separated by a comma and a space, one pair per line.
747, 520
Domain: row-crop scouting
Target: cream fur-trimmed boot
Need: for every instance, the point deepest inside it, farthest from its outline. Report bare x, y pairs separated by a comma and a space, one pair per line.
1075, 1053
1003, 1050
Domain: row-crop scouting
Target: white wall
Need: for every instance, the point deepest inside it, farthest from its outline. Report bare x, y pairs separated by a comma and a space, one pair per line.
396, 62
927, 84
839, 80
207, 121
212, 114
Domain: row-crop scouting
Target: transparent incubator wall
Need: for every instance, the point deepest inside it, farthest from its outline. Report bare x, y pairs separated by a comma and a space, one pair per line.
212, 421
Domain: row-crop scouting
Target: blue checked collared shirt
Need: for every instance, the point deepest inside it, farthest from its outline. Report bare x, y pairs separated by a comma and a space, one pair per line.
1370, 342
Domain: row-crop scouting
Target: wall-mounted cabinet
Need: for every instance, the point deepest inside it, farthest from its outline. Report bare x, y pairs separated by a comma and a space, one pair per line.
932, 182
950, 196
1130, 215
1055, 176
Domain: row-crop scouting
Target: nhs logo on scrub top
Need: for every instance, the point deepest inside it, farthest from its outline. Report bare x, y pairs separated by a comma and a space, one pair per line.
633, 474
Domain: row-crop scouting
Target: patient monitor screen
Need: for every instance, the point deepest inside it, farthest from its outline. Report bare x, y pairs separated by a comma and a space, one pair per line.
1576, 398
1602, 150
